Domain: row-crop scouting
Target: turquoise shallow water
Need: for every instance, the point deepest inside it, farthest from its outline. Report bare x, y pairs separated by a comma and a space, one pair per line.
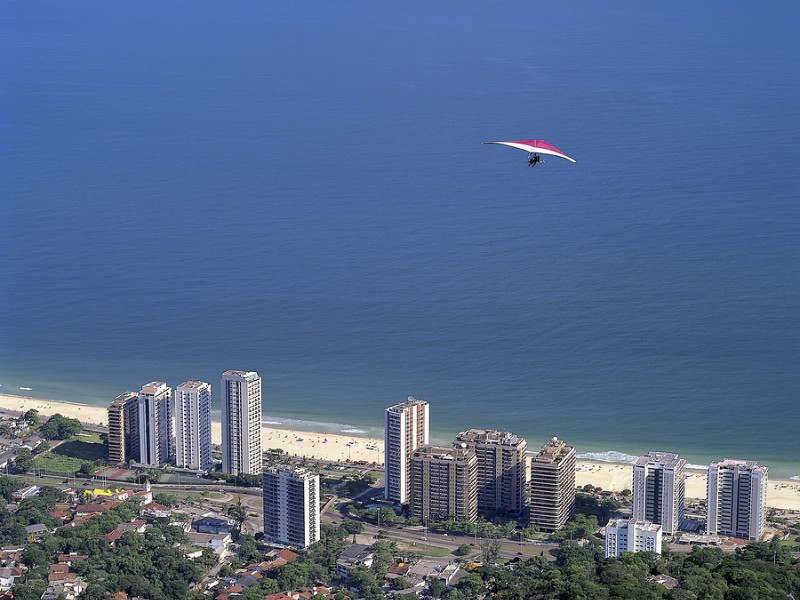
301, 190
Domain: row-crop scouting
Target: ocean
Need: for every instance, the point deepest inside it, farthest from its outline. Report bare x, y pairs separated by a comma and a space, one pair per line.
300, 189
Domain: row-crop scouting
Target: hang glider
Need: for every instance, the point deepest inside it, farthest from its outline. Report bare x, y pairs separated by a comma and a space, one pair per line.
534, 148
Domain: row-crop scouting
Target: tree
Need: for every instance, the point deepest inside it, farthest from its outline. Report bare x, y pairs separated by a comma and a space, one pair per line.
94, 591
237, 512
34, 556
31, 417
437, 587
23, 461
168, 500
351, 526
87, 469
472, 586
401, 583
365, 582
8, 485
491, 550
464, 549
32, 589
59, 427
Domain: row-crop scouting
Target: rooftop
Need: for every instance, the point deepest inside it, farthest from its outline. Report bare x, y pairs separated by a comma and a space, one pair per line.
552, 451
410, 401
431, 452
194, 385
490, 436
730, 463
154, 387
667, 460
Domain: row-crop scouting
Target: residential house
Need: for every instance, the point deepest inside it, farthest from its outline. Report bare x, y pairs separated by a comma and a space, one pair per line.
36, 531
357, 555
155, 510
209, 524
218, 542
7, 577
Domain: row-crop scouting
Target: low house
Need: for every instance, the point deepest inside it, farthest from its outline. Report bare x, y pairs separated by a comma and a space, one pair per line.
398, 570
218, 542
155, 510
425, 569
78, 521
135, 526
69, 590
357, 555
452, 574
27, 492
72, 557
83, 510
37, 530
7, 577
209, 524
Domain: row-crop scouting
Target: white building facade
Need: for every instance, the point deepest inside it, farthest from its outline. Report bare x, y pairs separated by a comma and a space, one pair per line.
659, 490
155, 423
736, 499
631, 535
291, 506
240, 394
193, 425
406, 428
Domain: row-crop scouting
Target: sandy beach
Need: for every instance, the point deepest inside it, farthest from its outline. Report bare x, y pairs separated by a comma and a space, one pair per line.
783, 494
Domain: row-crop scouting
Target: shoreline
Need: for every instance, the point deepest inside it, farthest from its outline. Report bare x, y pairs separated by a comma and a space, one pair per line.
783, 494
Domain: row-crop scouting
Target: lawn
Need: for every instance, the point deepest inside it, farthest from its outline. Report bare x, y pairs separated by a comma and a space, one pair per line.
54, 463
67, 458
84, 450
422, 548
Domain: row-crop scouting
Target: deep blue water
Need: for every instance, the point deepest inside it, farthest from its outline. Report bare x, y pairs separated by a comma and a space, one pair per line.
300, 189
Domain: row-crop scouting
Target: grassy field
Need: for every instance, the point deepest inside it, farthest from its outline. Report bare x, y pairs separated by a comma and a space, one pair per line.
422, 548
55, 463
68, 456
80, 449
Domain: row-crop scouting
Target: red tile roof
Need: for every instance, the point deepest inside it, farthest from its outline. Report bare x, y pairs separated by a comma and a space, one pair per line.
288, 555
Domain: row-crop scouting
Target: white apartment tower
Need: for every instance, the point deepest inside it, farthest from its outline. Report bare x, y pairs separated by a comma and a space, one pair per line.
155, 423
291, 506
193, 425
240, 393
659, 490
503, 476
631, 535
737, 499
405, 429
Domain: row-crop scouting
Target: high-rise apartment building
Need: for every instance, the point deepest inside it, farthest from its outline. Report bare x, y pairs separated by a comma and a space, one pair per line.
155, 423
291, 506
503, 476
659, 490
405, 429
736, 502
631, 535
444, 483
123, 428
240, 393
553, 485
193, 425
